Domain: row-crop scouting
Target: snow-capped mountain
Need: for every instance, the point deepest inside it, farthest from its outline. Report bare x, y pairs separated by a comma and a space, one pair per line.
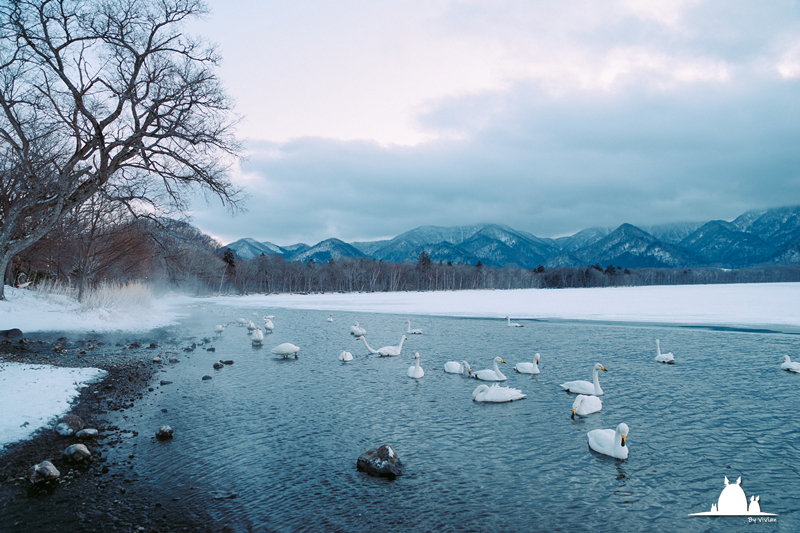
769, 236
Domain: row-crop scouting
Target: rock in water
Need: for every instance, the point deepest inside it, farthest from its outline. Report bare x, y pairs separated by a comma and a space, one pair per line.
88, 433
77, 453
382, 461
164, 433
11, 334
68, 425
43, 472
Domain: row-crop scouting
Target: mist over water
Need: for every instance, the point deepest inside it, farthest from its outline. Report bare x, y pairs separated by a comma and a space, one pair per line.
284, 435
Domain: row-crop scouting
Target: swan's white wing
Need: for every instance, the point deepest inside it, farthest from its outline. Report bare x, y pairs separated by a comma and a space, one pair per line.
579, 387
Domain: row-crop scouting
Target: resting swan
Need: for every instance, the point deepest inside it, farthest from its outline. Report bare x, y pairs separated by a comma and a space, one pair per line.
513, 324
491, 374
241, 321
413, 331
528, 368
219, 328
664, 358
286, 349
584, 387
586, 405
496, 394
258, 336
416, 371
268, 325
454, 367
346, 356
357, 330
609, 441
788, 364
250, 326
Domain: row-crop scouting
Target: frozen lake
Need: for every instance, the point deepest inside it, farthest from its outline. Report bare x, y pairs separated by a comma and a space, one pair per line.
284, 435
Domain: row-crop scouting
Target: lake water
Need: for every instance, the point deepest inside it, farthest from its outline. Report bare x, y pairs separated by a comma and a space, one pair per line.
284, 435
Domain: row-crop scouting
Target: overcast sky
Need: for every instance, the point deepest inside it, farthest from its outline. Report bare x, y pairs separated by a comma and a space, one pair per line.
365, 119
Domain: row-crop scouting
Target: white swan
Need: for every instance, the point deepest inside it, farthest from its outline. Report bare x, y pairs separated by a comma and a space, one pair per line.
584, 387
586, 405
610, 441
250, 326
241, 321
665, 357
790, 365
357, 330
286, 349
388, 351
496, 394
346, 356
330, 318
528, 368
219, 328
268, 325
258, 336
513, 324
413, 331
416, 371
454, 367
363, 338
491, 374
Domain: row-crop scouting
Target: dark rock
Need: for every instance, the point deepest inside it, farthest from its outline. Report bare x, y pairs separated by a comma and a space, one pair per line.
212, 349
164, 433
206, 377
153, 346
43, 472
62, 340
77, 453
381, 461
136, 345
87, 433
10, 334
165, 382
173, 359
69, 425
228, 362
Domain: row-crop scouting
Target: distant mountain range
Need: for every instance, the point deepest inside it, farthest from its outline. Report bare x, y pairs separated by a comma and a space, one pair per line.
768, 236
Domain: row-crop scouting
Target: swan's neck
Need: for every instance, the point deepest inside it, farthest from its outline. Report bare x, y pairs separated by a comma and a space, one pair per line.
509, 320
596, 380
497, 370
401, 343
409, 327
464, 366
417, 362
658, 348
367, 345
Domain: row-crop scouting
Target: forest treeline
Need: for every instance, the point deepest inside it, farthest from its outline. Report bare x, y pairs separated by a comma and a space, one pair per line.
101, 243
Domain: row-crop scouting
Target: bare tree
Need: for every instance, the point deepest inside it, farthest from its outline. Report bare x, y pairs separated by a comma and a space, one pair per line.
108, 97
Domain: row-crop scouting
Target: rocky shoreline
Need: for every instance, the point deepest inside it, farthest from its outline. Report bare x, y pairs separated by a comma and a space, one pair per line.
102, 495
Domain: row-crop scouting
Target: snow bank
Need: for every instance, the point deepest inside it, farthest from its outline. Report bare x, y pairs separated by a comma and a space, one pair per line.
33, 396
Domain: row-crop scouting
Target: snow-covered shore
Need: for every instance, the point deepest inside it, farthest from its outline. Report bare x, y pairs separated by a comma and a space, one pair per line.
35, 394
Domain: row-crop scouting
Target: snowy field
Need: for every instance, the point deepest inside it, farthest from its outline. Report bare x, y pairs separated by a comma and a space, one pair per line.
34, 395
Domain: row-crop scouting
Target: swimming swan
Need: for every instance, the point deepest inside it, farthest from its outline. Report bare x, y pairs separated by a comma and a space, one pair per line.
330, 318
584, 387
528, 368
513, 324
496, 394
286, 349
346, 356
363, 338
790, 365
609, 441
416, 371
489, 374
357, 330
388, 351
586, 405
258, 336
454, 367
664, 358
413, 331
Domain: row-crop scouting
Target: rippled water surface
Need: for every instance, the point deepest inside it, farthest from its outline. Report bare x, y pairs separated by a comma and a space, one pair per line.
284, 435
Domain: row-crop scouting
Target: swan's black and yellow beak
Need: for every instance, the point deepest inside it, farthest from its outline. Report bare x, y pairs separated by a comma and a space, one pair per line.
603, 368
502, 361
623, 441
573, 414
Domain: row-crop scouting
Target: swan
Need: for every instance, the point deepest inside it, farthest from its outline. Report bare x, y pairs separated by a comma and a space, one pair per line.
513, 324
268, 325
454, 367
496, 394
363, 338
346, 356
357, 330
286, 349
250, 326
219, 328
528, 368
388, 351
584, 387
610, 441
416, 371
788, 364
413, 331
586, 405
270, 316
258, 336
241, 321
330, 318
664, 358
489, 374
